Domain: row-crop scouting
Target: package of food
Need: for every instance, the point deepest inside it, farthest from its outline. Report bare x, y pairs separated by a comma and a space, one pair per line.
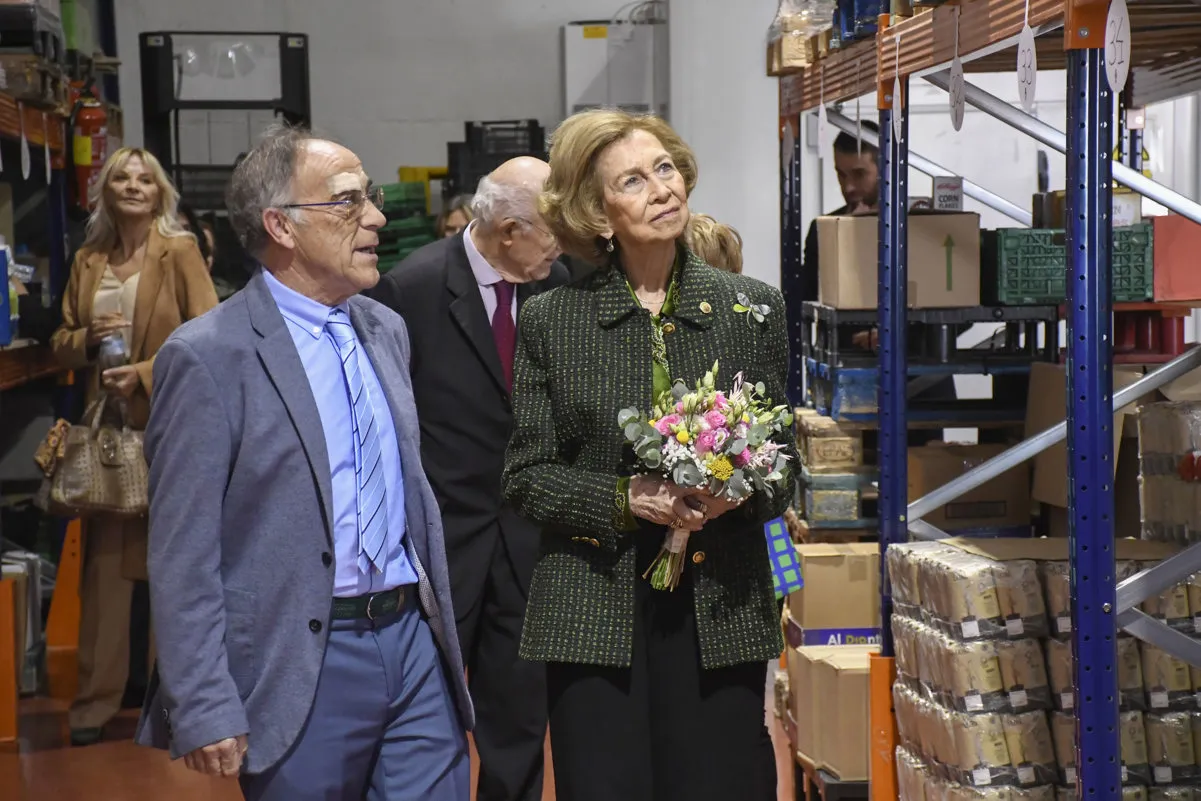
1136, 767
1193, 587
1134, 792
911, 778
1020, 595
1172, 794
973, 676
1031, 749
1063, 734
1024, 674
905, 564
1130, 674
1167, 680
964, 593
1172, 607
932, 666
1057, 584
1170, 747
1059, 673
982, 751
1039, 793
904, 646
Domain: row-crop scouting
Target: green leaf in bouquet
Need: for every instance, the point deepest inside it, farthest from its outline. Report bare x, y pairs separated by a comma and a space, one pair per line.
686, 474
736, 447
646, 445
652, 458
760, 388
678, 390
738, 485
716, 487
633, 431
757, 435
627, 416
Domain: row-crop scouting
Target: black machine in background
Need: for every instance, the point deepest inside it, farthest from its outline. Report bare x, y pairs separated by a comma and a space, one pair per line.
487, 146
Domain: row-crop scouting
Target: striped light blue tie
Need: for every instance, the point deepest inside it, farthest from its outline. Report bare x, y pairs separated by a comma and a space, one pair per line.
368, 455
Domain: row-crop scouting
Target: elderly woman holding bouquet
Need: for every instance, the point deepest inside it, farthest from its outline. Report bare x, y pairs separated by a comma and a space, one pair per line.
653, 694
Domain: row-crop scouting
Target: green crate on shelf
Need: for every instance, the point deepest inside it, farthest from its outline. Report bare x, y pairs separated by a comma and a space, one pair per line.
408, 226
404, 197
1026, 266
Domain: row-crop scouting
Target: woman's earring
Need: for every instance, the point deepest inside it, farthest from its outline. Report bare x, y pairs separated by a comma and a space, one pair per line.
609, 245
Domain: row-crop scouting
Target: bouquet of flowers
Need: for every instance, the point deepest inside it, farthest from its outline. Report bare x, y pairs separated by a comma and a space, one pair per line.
718, 442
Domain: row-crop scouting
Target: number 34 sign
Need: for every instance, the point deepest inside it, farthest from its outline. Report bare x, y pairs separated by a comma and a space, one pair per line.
1117, 45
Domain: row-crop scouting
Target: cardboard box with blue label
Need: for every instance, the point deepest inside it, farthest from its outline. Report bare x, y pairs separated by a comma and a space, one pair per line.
840, 602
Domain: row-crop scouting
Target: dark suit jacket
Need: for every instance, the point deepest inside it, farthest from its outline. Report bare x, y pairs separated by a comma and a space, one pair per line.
584, 353
463, 407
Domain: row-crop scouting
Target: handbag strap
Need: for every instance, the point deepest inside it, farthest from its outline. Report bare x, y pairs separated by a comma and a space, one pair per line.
95, 411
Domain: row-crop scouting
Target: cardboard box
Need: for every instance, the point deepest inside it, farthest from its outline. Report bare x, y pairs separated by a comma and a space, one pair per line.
815, 673
1177, 242
843, 704
944, 260
1003, 502
948, 193
840, 602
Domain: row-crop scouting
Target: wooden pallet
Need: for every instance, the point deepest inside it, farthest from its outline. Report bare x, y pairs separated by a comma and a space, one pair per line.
839, 500
803, 534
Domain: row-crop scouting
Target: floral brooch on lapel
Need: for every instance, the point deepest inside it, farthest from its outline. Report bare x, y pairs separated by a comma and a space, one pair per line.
758, 312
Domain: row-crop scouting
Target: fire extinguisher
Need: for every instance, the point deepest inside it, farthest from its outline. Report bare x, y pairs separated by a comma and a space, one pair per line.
90, 146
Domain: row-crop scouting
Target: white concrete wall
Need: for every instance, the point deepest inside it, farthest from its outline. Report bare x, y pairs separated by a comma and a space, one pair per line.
727, 109
394, 79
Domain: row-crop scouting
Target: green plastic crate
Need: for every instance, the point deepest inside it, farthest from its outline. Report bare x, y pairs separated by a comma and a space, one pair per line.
404, 197
1026, 266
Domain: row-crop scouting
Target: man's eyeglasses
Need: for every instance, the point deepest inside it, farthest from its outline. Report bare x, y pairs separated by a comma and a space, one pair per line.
536, 227
354, 201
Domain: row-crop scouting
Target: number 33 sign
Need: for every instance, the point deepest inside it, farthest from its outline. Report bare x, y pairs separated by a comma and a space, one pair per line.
1117, 45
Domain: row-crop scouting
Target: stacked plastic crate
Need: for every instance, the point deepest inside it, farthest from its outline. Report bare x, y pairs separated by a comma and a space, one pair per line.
409, 224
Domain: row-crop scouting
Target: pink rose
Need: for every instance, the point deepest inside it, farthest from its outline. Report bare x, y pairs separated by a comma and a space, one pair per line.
680, 407
664, 425
720, 402
706, 441
742, 459
715, 419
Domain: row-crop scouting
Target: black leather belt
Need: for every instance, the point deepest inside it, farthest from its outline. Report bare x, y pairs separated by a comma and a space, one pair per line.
372, 606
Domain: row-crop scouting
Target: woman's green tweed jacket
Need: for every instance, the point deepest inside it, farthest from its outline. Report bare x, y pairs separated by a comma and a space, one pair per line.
583, 354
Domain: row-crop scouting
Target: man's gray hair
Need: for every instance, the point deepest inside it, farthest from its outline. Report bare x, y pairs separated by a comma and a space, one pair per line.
495, 201
263, 180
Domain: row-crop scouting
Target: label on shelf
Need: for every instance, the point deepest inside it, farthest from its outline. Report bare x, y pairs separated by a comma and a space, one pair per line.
955, 94
1067, 701
1159, 699
1027, 68
1069, 774
973, 702
1117, 45
1064, 624
971, 628
1025, 774
1163, 774
981, 777
1014, 627
1018, 699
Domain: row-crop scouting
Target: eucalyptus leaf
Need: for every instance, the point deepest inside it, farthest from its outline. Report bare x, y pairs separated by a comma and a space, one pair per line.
715, 487
633, 431
652, 459
627, 416
736, 447
757, 435
760, 388
738, 484
686, 474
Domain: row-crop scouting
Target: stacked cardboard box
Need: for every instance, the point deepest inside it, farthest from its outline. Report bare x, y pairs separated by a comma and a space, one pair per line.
984, 695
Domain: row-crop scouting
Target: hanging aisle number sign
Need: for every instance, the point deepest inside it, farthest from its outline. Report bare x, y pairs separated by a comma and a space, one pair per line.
955, 89
1117, 45
1027, 68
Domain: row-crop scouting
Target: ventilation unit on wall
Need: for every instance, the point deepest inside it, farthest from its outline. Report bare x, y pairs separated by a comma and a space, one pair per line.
615, 65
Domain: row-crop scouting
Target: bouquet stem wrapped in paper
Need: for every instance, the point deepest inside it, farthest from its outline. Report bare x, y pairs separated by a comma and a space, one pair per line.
724, 444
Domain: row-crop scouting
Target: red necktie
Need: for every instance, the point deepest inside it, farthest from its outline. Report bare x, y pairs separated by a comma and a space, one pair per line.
503, 330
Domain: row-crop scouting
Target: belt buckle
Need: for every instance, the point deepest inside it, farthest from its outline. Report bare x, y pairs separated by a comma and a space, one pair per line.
370, 601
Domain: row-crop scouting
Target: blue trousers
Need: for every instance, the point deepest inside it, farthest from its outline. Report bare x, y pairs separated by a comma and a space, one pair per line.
383, 727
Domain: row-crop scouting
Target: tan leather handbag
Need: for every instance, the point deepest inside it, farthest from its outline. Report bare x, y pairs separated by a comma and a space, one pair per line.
96, 469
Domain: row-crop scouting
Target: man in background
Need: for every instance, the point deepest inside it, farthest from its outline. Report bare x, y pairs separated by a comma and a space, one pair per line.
460, 297
858, 170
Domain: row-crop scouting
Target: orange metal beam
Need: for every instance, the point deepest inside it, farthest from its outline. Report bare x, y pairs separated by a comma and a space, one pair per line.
62, 627
8, 664
1084, 24
883, 729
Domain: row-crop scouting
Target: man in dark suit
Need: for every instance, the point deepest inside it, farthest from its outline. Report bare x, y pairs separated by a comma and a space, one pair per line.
460, 297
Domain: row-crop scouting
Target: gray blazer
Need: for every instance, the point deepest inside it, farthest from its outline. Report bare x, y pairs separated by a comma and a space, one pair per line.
241, 573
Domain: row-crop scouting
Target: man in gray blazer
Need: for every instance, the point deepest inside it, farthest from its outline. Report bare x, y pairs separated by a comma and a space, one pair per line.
301, 603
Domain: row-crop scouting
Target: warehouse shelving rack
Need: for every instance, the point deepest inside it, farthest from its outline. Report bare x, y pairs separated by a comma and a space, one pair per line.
1166, 62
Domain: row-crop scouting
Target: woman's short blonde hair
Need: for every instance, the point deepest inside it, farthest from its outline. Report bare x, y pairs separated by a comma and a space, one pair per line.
571, 202
101, 233
716, 244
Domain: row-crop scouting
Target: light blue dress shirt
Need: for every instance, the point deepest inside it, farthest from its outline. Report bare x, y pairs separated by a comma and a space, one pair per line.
306, 319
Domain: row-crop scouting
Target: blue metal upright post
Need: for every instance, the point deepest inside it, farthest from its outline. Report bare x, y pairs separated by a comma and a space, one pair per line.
792, 248
893, 322
1089, 421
